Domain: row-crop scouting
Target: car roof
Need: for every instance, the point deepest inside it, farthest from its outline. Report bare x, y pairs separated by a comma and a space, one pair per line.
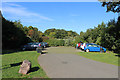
92, 44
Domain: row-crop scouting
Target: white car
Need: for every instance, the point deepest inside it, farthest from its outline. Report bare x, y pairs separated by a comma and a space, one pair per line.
83, 45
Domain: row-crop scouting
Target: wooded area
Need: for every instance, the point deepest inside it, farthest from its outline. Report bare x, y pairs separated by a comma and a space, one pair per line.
14, 35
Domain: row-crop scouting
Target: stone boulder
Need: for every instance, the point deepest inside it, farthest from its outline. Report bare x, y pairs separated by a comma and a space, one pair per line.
25, 67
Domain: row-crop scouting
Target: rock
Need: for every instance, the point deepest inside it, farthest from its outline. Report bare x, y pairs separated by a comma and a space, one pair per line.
25, 67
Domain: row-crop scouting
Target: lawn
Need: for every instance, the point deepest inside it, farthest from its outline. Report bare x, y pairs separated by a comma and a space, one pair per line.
108, 57
11, 64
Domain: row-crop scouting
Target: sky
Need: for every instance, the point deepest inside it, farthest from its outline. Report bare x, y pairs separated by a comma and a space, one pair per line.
75, 16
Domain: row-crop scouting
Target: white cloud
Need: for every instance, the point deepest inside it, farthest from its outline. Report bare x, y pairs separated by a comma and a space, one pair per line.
18, 10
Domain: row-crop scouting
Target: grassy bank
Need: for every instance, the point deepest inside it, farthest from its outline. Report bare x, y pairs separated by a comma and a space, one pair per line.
11, 63
108, 57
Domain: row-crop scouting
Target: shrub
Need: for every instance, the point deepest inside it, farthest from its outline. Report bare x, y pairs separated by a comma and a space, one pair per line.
68, 42
56, 42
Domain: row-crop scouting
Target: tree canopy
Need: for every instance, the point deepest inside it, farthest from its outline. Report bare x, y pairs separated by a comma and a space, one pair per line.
112, 6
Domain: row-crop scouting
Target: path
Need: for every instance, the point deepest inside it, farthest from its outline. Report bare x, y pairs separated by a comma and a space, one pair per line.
61, 62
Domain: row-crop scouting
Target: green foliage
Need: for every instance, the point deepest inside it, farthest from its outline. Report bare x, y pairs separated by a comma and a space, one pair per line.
61, 42
45, 38
56, 42
106, 35
13, 35
35, 36
52, 34
98, 41
30, 28
69, 42
77, 39
112, 6
25, 29
60, 33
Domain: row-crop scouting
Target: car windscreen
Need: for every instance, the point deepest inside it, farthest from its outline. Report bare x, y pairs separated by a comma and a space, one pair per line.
30, 43
93, 45
36, 43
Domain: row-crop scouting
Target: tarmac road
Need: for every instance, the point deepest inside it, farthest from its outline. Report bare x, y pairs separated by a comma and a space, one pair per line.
61, 62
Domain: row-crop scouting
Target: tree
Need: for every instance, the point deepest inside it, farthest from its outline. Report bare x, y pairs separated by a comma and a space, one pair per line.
18, 24
90, 40
30, 28
47, 32
45, 38
52, 34
71, 33
13, 35
98, 41
35, 36
30, 33
112, 6
40, 34
25, 29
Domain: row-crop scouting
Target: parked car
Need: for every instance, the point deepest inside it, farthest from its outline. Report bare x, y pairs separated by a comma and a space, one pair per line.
35, 44
93, 47
78, 45
44, 44
30, 46
82, 46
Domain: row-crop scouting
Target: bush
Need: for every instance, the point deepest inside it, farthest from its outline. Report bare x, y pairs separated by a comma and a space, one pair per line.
56, 42
68, 42
61, 42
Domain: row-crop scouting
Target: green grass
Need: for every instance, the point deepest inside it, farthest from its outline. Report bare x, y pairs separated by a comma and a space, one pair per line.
108, 57
9, 71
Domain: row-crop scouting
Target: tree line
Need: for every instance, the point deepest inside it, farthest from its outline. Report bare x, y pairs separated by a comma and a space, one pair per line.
107, 35
14, 34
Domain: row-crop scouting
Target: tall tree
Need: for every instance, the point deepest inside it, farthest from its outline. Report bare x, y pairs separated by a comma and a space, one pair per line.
13, 35
112, 6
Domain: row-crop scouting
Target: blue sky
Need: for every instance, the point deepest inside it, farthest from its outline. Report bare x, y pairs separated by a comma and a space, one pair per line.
76, 16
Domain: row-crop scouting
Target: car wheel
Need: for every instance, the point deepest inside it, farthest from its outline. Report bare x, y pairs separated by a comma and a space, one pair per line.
87, 50
23, 49
104, 51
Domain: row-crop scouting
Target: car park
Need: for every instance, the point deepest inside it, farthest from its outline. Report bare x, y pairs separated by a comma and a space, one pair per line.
93, 47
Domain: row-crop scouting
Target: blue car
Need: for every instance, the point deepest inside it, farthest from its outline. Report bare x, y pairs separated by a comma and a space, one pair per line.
93, 47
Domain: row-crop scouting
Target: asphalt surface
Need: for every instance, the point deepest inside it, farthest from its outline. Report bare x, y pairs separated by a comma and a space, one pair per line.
61, 62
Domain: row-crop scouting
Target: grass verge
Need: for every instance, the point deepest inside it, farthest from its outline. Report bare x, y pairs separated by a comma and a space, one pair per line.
108, 57
11, 64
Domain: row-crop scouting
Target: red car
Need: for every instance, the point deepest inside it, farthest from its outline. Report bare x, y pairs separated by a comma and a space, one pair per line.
78, 45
